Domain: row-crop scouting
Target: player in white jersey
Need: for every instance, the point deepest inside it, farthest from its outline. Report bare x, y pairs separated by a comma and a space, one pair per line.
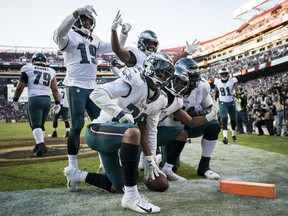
80, 49
172, 137
147, 44
64, 111
209, 130
130, 109
39, 79
225, 88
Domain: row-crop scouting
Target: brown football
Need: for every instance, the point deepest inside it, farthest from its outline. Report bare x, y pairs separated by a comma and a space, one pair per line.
160, 184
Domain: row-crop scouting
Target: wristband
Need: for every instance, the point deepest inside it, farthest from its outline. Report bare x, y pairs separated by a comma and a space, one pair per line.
57, 102
15, 99
209, 117
120, 115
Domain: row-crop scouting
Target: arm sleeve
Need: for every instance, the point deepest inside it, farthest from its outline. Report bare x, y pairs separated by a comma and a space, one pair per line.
152, 122
60, 34
103, 96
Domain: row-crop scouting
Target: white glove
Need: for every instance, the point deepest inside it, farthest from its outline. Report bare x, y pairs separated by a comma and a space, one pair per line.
151, 169
16, 105
114, 63
86, 10
214, 111
56, 108
190, 48
127, 118
117, 21
126, 27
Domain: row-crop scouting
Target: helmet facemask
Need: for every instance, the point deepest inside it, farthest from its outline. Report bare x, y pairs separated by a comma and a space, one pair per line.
160, 70
224, 73
78, 25
179, 83
147, 39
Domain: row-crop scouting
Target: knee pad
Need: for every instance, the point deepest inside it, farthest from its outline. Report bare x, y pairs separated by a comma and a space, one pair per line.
212, 132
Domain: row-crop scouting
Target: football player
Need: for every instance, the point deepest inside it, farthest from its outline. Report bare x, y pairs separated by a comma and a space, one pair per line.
172, 137
226, 87
147, 44
64, 111
80, 49
130, 108
39, 79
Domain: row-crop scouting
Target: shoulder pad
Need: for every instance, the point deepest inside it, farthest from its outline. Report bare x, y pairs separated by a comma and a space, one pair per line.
132, 76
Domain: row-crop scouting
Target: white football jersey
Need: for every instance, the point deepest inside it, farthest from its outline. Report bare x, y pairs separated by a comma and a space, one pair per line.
169, 110
63, 97
136, 102
140, 56
225, 89
39, 79
199, 97
80, 54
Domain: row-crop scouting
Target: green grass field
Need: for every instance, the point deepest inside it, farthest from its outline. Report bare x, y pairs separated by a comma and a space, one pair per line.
252, 158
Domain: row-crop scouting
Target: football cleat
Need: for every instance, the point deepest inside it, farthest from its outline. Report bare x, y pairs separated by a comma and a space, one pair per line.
39, 150
54, 134
171, 176
211, 175
73, 178
234, 138
35, 149
141, 204
225, 140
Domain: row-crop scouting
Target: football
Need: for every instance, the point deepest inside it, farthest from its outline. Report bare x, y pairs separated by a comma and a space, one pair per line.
160, 184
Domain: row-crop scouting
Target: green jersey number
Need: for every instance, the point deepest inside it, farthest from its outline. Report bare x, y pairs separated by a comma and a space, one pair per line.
92, 51
45, 76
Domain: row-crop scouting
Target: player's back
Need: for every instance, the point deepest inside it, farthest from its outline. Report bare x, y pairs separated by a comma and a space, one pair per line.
39, 79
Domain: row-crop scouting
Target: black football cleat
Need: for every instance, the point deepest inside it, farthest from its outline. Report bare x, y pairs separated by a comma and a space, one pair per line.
225, 141
42, 149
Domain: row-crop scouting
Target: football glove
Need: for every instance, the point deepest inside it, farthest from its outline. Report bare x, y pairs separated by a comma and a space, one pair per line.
56, 108
125, 118
151, 169
86, 10
16, 105
190, 48
214, 111
126, 27
117, 21
114, 63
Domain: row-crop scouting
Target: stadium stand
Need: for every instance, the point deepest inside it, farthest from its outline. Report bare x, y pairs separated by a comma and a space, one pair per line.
256, 53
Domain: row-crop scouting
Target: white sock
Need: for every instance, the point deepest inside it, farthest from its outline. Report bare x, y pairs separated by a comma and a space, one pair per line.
233, 133
225, 132
73, 161
167, 167
131, 192
208, 147
38, 135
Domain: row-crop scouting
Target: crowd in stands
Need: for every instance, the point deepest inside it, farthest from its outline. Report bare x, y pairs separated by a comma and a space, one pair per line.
261, 23
245, 63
